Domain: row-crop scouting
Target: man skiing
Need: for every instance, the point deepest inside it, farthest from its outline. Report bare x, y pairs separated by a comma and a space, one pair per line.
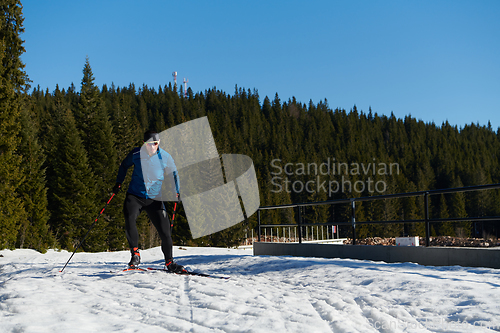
153, 168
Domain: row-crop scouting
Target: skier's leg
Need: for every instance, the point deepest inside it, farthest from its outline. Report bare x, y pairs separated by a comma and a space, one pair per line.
131, 210
160, 220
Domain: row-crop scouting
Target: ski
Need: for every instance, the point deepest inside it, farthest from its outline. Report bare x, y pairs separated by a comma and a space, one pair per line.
133, 268
189, 273
185, 272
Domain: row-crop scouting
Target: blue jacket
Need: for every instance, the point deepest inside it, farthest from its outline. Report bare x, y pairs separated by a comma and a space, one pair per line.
149, 173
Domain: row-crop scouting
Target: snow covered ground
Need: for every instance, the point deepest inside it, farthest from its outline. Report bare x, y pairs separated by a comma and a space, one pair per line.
263, 294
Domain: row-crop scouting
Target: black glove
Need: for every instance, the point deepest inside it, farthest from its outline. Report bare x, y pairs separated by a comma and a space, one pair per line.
117, 188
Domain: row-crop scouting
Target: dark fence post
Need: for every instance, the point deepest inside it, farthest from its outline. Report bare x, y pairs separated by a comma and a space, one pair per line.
426, 218
258, 219
353, 221
300, 224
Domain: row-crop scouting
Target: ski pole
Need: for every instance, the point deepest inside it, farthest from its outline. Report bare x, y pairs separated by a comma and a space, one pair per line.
87, 233
173, 214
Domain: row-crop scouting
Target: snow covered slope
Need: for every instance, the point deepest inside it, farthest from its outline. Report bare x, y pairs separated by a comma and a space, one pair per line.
263, 294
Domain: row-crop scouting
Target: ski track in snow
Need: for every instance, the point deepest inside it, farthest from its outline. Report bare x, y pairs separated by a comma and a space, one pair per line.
263, 294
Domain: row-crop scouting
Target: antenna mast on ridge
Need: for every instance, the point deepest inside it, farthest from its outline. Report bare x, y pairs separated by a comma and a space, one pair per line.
174, 74
185, 87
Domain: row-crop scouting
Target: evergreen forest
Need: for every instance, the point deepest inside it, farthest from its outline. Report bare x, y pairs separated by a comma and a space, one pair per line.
60, 151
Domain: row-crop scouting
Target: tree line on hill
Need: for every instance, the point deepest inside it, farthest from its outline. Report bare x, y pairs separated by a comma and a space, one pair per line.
60, 152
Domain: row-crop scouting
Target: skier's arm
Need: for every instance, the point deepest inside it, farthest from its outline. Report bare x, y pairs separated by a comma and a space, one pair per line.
122, 170
171, 168
177, 183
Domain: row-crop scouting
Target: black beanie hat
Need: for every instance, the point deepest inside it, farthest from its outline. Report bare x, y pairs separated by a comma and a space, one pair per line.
151, 136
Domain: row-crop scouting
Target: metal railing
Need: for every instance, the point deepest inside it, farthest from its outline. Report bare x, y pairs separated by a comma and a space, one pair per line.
353, 201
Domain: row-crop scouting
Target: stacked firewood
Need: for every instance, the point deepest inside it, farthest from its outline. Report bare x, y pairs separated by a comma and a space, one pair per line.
373, 241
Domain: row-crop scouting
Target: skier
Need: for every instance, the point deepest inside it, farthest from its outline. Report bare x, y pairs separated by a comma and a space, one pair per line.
153, 168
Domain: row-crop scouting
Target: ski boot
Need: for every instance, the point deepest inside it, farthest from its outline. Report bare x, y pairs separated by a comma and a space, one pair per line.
136, 257
173, 267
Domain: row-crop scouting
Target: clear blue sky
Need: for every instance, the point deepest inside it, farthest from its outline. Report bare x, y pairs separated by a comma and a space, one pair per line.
436, 60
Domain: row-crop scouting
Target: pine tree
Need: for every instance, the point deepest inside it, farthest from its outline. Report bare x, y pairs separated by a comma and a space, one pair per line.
34, 231
126, 127
457, 208
13, 81
72, 186
97, 133
445, 228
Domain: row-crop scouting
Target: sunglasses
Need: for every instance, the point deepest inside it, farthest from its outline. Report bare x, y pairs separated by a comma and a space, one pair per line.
152, 143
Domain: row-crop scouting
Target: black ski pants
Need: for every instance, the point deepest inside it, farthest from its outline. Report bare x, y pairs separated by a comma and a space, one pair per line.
155, 209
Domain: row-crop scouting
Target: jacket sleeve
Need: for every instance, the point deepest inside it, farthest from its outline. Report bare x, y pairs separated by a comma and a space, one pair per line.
171, 168
176, 180
122, 170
